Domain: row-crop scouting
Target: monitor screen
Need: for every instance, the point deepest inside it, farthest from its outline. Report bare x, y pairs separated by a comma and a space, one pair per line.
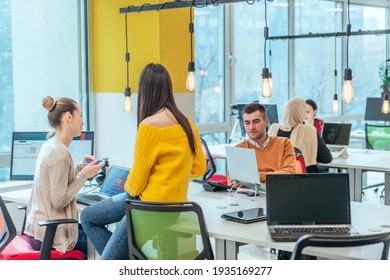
374, 110
26, 146
337, 133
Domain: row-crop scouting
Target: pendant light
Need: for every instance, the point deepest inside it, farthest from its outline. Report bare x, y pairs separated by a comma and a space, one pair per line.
348, 91
267, 82
191, 82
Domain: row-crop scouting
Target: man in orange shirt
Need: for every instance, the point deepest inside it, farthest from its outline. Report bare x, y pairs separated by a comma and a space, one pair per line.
273, 154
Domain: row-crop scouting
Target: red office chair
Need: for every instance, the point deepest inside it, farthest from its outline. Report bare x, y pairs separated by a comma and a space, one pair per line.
301, 168
14, 247
211, 167
211, 181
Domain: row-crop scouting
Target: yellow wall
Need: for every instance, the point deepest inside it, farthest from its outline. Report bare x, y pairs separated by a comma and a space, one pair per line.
159, 37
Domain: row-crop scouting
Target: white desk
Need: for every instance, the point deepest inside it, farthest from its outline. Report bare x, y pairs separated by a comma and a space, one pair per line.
360, 160
230, 235
14, 185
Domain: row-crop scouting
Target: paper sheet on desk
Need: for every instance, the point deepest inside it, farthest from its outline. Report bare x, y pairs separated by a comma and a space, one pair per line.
364, 152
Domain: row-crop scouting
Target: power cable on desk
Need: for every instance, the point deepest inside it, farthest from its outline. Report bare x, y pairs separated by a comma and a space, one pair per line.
89, 187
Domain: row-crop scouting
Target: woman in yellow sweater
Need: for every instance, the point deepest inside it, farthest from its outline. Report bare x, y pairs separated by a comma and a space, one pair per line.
167, 154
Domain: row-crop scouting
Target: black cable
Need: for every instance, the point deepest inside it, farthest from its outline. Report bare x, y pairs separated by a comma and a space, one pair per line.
191, 29
348, 31
127, 55
265, 33
335, 65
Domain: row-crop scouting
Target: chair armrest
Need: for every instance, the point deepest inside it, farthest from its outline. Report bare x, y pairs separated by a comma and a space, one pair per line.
52, 223
48, 239
22, 207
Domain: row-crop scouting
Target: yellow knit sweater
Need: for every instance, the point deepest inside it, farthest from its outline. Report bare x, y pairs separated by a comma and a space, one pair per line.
163, 163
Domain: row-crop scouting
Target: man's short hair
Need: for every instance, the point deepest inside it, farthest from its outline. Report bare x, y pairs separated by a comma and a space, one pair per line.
253, 107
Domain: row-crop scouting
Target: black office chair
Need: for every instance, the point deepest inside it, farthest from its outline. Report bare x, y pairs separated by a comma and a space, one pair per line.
167, 231
377, 138
341, 241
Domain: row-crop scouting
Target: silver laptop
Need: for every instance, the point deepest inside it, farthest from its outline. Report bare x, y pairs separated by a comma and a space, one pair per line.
113, 184
242, 167
336, 137
299, 204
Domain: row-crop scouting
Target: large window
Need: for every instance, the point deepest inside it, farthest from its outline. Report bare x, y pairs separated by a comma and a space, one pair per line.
40, 55
248, 42
301, 67
210, 65
315, 58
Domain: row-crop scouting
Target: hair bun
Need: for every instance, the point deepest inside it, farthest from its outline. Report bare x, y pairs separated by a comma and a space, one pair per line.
48, 103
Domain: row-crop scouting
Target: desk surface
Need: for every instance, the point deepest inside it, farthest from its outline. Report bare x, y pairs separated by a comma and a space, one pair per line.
14, 185
365, 217
371, 160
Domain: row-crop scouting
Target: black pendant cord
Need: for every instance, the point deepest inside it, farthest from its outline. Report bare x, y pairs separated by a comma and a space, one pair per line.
127, 55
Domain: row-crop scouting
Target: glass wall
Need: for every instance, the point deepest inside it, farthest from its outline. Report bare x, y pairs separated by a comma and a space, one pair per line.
317, 58
39, 56
249, 59
210, 65
300, 67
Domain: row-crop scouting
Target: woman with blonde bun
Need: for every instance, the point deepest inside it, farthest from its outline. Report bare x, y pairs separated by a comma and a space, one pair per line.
303, 136
57, 180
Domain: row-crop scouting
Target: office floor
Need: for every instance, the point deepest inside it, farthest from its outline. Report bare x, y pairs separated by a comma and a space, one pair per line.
373, 195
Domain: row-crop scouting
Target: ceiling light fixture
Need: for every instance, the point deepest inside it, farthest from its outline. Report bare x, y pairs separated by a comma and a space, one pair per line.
348, 92
128, 105
191, 83
267, 82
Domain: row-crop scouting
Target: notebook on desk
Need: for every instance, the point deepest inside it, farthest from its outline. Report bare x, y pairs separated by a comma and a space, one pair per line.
242, 167
112, 185
336, 136
301, 204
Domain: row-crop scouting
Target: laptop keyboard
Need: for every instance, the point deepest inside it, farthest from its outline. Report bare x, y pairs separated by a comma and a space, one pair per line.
89, 199
313, 230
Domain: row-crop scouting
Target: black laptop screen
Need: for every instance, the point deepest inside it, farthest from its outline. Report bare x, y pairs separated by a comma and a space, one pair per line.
308, 199
336, 133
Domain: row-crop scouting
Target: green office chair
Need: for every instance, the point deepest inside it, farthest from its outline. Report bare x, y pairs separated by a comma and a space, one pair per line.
341, 241
377, 138
167, 231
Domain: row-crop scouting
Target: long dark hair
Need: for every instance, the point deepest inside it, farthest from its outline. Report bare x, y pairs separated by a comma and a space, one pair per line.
155, 93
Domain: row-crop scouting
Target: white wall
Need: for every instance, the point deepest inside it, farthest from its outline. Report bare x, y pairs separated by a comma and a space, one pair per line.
115, 130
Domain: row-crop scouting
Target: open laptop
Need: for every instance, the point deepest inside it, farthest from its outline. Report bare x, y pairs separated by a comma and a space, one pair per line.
113, 184
316, 203
336, 137
242, 167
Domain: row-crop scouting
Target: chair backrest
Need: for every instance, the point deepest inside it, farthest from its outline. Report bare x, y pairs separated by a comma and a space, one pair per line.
211, 168
301, 168
377, 137
167, 231
341, 241
7, 227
